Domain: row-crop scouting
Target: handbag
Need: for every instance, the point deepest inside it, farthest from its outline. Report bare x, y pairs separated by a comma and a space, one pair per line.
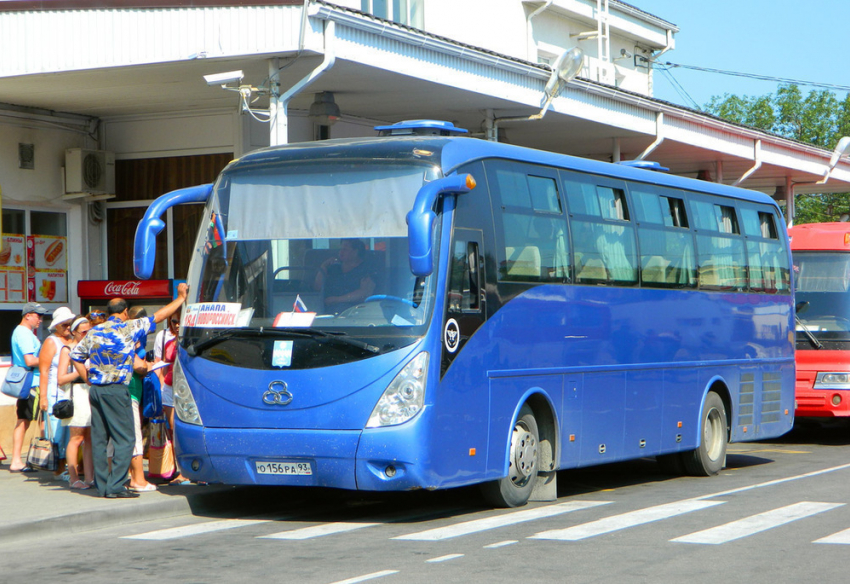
64, 408
18, 382
161, 462
43, 453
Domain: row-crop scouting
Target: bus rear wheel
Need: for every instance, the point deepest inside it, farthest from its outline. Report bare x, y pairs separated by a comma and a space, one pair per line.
515, 489
708, 458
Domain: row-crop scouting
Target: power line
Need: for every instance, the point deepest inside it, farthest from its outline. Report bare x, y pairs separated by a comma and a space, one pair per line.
679, 89
757, 76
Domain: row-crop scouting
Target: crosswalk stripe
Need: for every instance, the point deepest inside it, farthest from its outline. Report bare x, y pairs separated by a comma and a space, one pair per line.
367, 577
197, 529
757, 523
318, 530
625, 520
506, 519
842, 537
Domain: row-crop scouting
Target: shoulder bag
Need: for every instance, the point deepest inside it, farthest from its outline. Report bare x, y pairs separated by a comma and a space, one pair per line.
18, 382
64, 408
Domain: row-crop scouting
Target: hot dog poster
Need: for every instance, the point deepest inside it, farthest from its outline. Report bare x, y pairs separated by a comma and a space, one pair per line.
13, 269
48, 272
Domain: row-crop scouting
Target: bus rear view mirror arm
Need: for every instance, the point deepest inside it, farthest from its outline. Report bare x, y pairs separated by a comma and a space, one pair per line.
144, 246
420, 219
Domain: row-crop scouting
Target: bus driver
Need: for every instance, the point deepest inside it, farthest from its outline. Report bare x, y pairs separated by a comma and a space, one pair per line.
346, 279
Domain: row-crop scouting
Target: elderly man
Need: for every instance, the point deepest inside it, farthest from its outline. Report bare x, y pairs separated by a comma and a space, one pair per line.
110, 348
25, 348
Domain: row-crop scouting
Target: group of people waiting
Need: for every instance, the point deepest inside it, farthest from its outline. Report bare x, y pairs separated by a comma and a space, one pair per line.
97, 361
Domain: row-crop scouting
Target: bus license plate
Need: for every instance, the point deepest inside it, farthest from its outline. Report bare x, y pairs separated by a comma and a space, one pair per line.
284, 468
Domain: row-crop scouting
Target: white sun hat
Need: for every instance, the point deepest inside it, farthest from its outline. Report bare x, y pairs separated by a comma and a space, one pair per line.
60, 315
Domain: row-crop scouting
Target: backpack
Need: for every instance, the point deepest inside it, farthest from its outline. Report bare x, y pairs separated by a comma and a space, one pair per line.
151, 396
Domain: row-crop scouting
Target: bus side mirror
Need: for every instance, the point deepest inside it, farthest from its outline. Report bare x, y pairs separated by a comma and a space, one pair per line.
144, 246
420, 220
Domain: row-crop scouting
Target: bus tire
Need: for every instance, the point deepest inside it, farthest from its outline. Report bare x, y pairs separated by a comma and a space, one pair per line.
515, 489
671, 463
708, 458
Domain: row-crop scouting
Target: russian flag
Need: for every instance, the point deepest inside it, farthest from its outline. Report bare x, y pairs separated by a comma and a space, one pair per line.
299, 305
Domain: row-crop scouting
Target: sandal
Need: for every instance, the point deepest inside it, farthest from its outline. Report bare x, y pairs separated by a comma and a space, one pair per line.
148, 488
80, 486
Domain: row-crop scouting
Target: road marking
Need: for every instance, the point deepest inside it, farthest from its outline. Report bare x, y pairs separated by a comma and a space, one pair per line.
444, 558
198, 529
372, 576
776, 482
500, 544
756, 523
625, 520
504, 520
318, 530
842, 537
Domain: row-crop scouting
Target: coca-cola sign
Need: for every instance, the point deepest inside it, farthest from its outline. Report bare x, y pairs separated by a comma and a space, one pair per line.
125, 289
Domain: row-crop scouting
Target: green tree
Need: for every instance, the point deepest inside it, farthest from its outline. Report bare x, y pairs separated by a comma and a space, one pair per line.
818, 118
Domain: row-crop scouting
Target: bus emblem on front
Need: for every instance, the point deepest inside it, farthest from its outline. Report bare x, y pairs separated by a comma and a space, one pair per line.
277, 397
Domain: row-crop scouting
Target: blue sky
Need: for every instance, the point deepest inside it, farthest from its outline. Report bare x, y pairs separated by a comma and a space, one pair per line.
797, 39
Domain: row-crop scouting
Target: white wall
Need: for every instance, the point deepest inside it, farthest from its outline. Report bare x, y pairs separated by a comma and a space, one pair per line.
42, 187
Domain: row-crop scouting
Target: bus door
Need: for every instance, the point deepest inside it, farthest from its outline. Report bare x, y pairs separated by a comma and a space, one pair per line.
465, 302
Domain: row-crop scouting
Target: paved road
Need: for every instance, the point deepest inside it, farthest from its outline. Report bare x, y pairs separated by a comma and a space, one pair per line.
780, 512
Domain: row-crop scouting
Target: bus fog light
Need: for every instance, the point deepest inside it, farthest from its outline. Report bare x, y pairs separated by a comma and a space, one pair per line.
836, 400
196, 465
390, 471
184, 402
404, 397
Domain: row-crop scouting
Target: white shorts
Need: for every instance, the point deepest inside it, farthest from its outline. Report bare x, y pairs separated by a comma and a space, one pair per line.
139, 447
167, 396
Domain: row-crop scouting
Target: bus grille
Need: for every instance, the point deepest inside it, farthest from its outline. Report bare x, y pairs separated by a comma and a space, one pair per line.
748, 389
771, 398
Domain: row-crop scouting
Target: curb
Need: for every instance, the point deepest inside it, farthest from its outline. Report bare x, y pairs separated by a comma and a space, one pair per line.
217, 500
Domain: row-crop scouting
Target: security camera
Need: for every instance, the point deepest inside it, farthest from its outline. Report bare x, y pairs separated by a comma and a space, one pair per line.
224, 78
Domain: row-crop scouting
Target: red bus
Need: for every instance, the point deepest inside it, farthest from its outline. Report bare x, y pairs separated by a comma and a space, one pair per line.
821, 254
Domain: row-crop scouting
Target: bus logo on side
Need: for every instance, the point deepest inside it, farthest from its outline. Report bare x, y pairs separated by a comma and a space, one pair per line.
451, 335
279, 397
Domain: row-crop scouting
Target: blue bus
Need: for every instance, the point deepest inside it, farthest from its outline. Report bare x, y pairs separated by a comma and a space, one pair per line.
425, 310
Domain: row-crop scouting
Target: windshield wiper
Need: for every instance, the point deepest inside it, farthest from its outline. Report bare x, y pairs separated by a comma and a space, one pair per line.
337, 337
817, 344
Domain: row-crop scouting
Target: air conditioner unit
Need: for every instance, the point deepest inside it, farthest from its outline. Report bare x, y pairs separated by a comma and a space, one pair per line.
89, 171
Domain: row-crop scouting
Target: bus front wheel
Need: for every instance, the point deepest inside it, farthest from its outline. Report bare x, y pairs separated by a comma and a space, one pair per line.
708, 458
515, 489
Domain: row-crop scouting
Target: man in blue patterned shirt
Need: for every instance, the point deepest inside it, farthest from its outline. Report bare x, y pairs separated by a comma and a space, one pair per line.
109, 349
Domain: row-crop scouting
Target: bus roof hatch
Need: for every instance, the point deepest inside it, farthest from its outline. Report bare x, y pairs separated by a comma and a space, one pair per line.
420, 128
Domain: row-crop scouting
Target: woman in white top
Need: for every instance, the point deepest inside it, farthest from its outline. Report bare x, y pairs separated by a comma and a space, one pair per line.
48, 386
80, 423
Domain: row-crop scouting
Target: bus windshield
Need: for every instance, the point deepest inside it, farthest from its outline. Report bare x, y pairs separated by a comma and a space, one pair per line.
315, 251
823, 285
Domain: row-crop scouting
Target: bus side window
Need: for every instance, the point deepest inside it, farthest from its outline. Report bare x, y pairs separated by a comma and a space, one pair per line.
535, 241
720, 248
667, 256
603, 234
766, 253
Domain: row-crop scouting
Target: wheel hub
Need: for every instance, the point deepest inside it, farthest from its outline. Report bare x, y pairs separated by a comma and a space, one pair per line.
523, 455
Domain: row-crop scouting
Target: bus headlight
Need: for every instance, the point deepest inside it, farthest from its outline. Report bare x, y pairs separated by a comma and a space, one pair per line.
184, 402
828, 380
404, 397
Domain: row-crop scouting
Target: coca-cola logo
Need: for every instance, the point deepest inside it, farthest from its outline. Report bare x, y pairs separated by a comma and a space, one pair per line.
121, 288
